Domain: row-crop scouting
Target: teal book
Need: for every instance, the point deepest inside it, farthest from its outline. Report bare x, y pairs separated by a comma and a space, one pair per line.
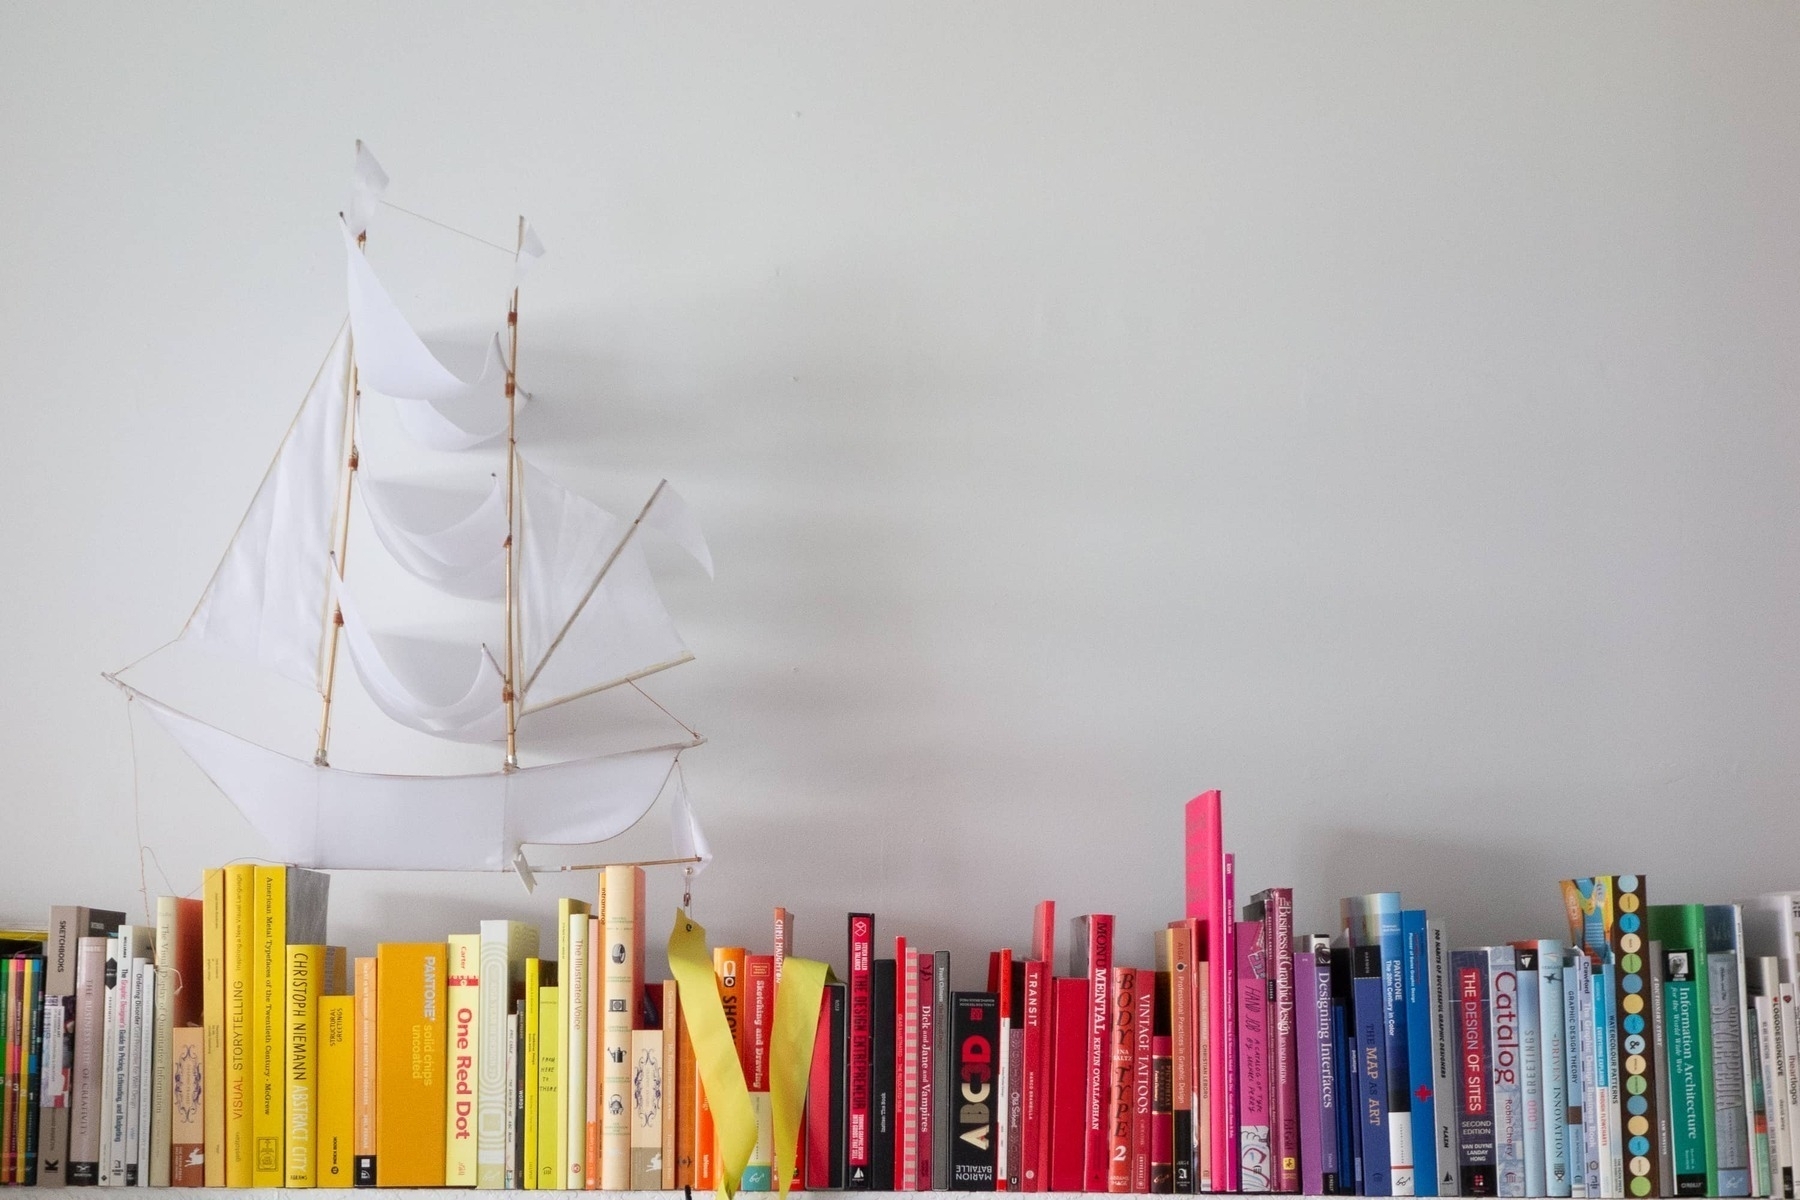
1681, 928
1681, 1023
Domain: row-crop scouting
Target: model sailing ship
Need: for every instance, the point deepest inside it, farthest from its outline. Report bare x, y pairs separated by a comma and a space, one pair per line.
579, 611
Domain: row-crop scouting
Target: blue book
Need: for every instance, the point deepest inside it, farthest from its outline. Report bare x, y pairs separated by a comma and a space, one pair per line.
1531, 1066
1554, 1067
1420, 1054
1372, 1072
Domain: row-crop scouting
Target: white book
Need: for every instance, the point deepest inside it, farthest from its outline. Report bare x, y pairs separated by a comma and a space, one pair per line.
113, 1048
512, 1105
1762, 977
622, 982
505, 945
143, 1003
574, 1051
1593, 1080
1531, 1066
119, 1092
1788, 1035
1444, 1074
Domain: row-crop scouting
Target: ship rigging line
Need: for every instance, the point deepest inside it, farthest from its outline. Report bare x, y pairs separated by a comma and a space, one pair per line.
508, 251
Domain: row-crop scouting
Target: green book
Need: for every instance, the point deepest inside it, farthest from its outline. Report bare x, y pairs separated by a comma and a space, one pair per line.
1681, 1020
1681, 928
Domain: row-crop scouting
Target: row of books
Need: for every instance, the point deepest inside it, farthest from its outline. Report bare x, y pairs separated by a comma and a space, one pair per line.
1653, 1052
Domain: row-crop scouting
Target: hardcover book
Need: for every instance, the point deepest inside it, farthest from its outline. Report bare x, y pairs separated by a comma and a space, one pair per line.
187, 1107
1682, 1008
503, 948
1122, 1046
1253, 1058
409, 1081
1531, 1082
881, 1076
1474, 1095
1034, 1015
571, 1046
179, 996
1069, 1025
462, 989
1162, 1088
363, 1051
924, 1131
1207, 902
1091, 956
622, 971
1420, 1048
337, 1092
1730, 1050
645, 1156
1277, 905
758, 1022
1553, 1067
1443, 1048
1509, 1115
288, 907
300, 1080
975, 1032
68, 925
861, 1060
1143, 1074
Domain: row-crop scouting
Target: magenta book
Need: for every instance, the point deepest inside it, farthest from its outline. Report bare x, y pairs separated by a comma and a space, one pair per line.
1206, 902
1253, 1058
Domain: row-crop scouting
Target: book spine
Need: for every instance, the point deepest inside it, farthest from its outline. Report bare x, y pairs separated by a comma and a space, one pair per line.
1509, 1117
1227, 1100
1634, 1073
924, 1131
337, 1091
12, 995
463, 989
906, 1046
163, 1042
862, 1029
1278, 957
976, 1036
1069, 1022
35, 972
1682, 1017
881, 1076
365, 1051
1013, 1122
1592, 1073
268, 1121
1607, 1047
187, 1114
571, 1095
1385, 910
531, 1071
1573, 1094
1092, 957
687, 1113
623, 968
1175, 964
1443, 1060
409, 1086
1199, 1004
549, 1080
1162, 1085
1122, 1045
1313, 1014
1420, 1049
501, 948
143, 1049
1034, 1122
1474, 1093
1553, 1067
1205, 886
758, 1023
67, 926
1530, 1068
1761, 1149
1765, 985
300, 1078
944, 1059
839, 1118
1143, 1077
644, 1128
816, 1140
240, 958
1253, 1058
592, 1146
1737, 1171
1372, 1070
1344, 1057
1788, 1037
514, 1124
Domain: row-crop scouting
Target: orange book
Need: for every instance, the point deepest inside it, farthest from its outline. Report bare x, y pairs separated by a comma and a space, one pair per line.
1122, 1051
687, 1099
363, 1087
409, 1063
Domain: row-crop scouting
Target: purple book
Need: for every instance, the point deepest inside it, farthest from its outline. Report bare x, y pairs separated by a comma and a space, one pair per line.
1256, 1169
1284, 1100
1318, 1091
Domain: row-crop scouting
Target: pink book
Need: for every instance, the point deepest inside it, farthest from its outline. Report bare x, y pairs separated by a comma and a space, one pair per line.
907, 1125
1234, 1178
927, 1113
1253, 1058
1034, 1124
1092, 956
1143, 1069
1206, 902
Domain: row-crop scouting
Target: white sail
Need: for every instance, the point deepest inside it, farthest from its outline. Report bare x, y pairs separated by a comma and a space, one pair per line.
684, 828
459, 553
324, 817
392, 359
267, 601
477, 715
577, 638
367, 183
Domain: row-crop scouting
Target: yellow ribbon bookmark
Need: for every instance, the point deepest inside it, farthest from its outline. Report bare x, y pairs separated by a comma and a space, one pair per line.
791, 1050
734, 1120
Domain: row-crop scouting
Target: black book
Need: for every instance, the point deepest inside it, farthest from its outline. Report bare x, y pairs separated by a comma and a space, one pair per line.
976, 1034
518, 1096
1349, 1121
837, 1001
1162, 1091
883, 994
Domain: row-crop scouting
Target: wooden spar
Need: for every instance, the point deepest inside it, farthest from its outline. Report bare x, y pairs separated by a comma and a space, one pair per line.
352, 390
509, 693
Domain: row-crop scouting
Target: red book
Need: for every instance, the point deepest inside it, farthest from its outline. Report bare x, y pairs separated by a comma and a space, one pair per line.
1206, 901
824, 1094
1000, 983
862, 1029
1034, 1126
1142, 1079
1092, 956
1069, 1023
1121, 1049
927, 1059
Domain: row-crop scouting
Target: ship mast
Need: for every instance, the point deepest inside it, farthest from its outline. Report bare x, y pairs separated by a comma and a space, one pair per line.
509, 693
352, 394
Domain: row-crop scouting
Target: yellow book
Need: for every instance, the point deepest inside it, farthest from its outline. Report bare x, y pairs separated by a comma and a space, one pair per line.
549, 1047
240, 953
300, 1083
623, 975
534, 986
571, 1058
337, 1091
267, 1097
363, 1090
212, 1021
464, 988
409, 1064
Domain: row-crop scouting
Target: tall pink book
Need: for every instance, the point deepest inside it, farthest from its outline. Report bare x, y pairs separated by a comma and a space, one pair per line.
1228, 959
1253, 1058
1206, 903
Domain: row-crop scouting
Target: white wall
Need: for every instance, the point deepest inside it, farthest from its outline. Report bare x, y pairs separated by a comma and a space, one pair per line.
1384, 413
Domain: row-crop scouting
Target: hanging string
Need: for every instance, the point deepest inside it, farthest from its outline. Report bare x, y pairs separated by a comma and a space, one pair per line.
140, 658
691, 731
509, 251
137, 815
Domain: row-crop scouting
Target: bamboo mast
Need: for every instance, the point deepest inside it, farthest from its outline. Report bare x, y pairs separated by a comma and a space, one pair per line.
509, 693
353, 394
